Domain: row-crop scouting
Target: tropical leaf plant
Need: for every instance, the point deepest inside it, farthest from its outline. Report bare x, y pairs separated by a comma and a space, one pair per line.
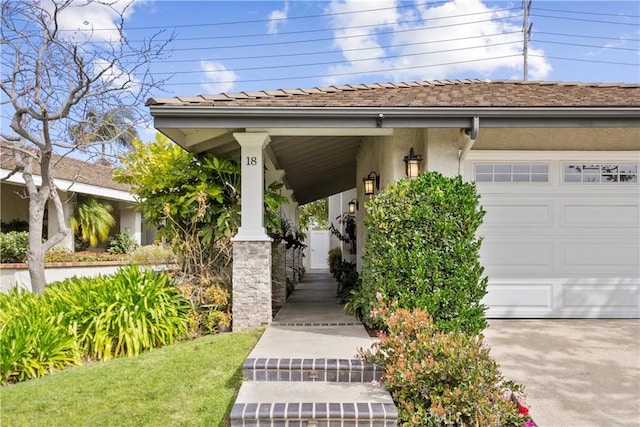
33, 338
121, 315
93, 221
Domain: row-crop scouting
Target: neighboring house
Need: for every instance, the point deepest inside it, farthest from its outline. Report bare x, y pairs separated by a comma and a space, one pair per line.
73, 178
556, 165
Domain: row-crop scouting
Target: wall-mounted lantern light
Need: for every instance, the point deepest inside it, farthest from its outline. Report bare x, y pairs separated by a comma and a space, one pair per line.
371, 183
412, 163
353, 206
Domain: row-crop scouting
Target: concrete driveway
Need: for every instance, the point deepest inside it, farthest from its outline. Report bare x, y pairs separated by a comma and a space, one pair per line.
576, 372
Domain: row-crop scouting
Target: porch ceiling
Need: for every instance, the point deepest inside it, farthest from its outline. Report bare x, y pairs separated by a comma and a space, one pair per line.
316, 163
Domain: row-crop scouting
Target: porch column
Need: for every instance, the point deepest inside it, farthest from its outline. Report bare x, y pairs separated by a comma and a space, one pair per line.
251, 245
52, 221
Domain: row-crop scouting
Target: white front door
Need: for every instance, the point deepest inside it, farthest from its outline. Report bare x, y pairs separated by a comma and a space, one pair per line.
319, 248
561, 233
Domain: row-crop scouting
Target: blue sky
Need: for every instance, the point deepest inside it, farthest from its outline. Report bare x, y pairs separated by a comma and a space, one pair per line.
233, 46
238, 46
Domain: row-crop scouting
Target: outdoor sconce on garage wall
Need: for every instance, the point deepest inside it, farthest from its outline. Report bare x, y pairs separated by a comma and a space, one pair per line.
371, 183
412, 164
353, 206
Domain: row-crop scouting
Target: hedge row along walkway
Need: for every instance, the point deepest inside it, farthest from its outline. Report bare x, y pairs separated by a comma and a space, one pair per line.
303, 371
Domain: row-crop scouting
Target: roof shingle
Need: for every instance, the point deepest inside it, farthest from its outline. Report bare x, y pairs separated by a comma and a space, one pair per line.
436, 93
73, 170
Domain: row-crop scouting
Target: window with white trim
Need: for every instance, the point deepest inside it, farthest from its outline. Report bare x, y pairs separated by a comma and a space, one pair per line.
593, 173
511, 172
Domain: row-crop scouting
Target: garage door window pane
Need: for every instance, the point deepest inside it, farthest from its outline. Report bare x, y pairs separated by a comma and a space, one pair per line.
540, 169
601, 173
502, 172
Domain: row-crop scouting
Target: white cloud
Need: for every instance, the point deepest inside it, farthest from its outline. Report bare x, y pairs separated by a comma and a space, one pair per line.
276, 18
219, 78
93, 21
455, 38
115, 76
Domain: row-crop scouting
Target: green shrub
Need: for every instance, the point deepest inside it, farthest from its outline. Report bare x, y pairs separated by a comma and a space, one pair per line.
120, 315
422, 251
122, 243
14, 225
334, 260
441, 378
153, 254
34, 341
14, 246
57, 254
348, 278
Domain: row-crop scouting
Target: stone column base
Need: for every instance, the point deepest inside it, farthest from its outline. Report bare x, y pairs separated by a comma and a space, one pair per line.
251, 284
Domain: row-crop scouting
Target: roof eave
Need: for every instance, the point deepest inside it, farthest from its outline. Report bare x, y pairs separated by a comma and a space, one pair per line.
390, 117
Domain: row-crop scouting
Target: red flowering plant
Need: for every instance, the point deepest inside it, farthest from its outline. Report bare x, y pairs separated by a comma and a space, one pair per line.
441, 378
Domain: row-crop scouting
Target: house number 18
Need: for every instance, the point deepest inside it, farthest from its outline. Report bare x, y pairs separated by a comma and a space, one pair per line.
252, 161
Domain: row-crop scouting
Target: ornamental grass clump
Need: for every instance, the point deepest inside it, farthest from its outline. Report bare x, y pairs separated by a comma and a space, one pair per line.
34, 339
422, 252
121, 315
441, 378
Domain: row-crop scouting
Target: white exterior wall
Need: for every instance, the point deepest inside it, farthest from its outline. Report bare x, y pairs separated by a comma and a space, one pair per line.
12, 277
12, 204
131, 221
384, 155
334, 209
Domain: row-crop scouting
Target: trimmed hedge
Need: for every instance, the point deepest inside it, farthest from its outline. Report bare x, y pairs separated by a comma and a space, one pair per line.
422, 252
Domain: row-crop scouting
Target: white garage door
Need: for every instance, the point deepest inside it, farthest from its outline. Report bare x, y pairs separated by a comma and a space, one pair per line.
561, 233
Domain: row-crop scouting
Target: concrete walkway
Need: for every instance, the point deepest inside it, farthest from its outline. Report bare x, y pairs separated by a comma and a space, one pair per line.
582, 373
576, 372
304, 371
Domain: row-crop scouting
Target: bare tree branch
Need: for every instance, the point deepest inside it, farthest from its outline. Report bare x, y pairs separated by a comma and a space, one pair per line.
50, 79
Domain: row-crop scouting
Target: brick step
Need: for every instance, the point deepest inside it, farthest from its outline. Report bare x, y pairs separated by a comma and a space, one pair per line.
319, 370
282, 404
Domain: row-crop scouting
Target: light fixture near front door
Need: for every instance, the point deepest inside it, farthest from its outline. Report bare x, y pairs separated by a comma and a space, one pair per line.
412, 164
353, 206
371, 183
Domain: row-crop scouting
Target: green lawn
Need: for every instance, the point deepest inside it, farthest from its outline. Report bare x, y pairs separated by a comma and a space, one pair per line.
187, 384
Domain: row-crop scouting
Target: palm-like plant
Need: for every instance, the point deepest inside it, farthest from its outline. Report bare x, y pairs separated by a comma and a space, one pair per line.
93, 220
113, 126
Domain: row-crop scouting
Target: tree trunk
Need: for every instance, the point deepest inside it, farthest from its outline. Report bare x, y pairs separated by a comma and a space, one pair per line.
35, 254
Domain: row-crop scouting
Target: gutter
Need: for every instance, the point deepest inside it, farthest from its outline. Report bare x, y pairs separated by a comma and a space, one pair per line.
188, 116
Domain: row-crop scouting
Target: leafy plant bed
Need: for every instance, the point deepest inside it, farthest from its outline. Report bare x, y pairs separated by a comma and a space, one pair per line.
189, 383
439, 378
84, 256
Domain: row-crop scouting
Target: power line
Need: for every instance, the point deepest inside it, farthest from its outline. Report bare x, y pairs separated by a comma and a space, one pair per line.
585, 13
587, 45
346, 73
324, 52
586, 36
288, 42
287, 33
587, 60
635, 24
311, 64
257, 21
